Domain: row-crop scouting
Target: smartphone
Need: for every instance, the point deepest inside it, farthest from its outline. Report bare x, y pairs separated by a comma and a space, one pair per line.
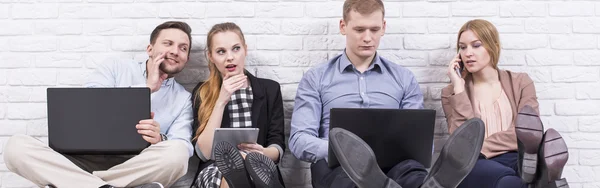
460, 68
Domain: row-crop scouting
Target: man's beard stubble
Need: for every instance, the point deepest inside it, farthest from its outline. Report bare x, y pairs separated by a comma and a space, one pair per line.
170, 72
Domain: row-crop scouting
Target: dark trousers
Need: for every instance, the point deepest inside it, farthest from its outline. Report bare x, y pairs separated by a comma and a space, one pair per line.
498, 172
408, 174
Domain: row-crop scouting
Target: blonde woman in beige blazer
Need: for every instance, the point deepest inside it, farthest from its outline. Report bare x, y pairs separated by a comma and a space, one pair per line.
516, 152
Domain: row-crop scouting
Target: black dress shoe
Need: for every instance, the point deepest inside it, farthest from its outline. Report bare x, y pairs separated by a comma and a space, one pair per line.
529, 131
231, 164
358, 160
553, 156
263, 171
458, 156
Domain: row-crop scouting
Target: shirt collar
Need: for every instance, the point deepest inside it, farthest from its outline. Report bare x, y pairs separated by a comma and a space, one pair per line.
345, 64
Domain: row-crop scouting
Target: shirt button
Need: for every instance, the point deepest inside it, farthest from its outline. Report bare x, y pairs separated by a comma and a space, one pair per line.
362, 78
363, 93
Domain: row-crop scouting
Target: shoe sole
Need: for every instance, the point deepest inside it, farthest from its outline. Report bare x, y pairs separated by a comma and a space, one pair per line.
391, 184
230, 162
451, 167
529, 130
263, 171
556, 155
367, 172
562, 183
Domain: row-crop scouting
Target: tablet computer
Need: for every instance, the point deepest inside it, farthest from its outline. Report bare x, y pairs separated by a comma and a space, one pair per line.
234, 136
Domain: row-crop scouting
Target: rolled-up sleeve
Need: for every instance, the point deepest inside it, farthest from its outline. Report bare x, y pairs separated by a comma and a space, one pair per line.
304, 142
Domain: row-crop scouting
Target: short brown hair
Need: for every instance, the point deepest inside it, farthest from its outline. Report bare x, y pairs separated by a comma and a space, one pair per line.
362, 7
172, 25
488, 34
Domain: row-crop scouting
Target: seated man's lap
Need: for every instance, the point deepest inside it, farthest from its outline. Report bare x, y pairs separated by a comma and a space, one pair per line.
174, 150
323, 176
408, 173
91, 163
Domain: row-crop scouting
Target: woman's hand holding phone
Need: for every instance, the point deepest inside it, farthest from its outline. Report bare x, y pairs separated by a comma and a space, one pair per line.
458, 70
455, 76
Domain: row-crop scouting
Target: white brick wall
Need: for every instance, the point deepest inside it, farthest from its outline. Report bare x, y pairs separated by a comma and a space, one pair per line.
47, 43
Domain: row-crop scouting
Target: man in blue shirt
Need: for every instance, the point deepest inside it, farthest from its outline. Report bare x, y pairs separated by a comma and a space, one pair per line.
169, 131
358, 78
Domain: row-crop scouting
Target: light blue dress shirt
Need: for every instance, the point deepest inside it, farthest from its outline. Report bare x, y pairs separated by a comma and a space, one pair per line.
337, 84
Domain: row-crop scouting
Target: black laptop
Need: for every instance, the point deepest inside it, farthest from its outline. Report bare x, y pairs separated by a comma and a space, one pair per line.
394, 134
97, 120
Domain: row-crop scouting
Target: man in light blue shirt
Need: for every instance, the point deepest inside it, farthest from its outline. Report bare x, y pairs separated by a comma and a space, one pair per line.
358, 78
339, 84
169, 131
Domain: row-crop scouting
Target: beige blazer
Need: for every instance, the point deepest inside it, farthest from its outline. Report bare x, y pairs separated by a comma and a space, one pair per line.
458, 108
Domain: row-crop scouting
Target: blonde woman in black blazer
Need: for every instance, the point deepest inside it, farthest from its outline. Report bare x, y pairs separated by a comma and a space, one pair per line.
233, 97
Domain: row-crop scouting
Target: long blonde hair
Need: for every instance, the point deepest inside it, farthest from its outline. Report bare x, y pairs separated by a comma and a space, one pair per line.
488, 34
208, 92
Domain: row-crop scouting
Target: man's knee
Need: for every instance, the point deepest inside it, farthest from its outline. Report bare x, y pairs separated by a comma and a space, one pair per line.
16, 150
175, 156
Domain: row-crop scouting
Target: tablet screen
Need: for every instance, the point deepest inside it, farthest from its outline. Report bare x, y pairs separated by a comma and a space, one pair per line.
234, 136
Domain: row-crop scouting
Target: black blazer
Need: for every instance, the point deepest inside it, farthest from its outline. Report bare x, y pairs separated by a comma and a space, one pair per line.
267, 111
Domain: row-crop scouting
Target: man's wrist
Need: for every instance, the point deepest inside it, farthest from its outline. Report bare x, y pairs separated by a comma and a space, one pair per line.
163, 137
